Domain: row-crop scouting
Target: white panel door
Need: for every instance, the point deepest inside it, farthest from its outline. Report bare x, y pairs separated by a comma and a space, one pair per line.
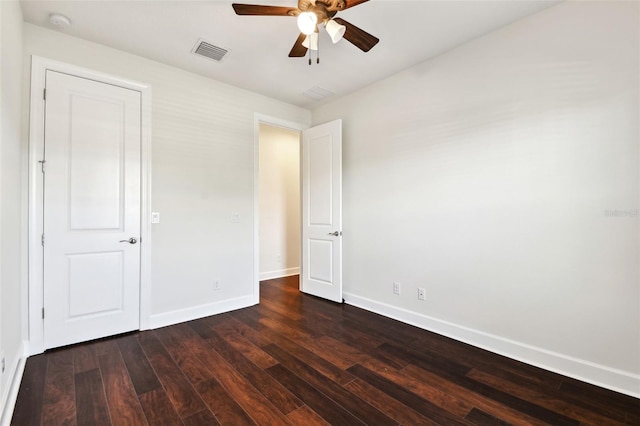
321, 273
91, 210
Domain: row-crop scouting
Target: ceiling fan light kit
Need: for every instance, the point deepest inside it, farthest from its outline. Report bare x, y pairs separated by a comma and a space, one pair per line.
307, 22
335, 30
311, 41
311, 15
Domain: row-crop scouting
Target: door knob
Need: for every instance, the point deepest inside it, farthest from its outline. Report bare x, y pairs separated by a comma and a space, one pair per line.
130, 241
335, 234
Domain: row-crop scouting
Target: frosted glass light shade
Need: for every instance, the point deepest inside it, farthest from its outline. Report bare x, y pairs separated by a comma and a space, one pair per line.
307, 22
311, 41
335, 30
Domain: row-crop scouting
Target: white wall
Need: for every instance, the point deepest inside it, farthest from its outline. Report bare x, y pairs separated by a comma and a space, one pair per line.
11, 278
279, 152
202, 175
487, 176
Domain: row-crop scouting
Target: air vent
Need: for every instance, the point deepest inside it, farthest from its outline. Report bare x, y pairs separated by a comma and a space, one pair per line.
209, 50
318, 93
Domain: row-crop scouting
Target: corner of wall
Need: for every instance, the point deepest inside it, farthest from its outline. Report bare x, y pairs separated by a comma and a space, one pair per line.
11, 278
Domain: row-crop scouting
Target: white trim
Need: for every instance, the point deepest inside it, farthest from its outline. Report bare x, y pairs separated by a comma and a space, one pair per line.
599, 375
145, 210
272, 121
281, 273
15, 378
39, 66
201, 311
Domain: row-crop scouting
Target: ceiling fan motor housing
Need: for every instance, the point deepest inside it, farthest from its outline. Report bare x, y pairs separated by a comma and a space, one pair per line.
324, 9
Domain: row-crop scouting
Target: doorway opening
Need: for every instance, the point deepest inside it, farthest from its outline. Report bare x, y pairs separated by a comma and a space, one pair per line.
279, 202
320, 191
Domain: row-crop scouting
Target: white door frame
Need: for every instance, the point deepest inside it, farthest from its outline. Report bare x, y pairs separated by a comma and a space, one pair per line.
276, 122
39, 66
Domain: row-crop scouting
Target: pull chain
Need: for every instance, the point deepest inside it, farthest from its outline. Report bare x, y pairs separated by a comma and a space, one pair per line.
317, 37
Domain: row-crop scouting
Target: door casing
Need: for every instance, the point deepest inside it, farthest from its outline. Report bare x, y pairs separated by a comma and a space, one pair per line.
33, 313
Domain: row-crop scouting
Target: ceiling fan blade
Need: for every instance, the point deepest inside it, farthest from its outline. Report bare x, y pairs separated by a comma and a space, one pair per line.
298, 50
359, 38
259, 10
351, 3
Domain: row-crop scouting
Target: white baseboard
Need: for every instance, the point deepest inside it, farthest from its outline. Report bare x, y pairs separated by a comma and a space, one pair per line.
201, 311
279, 274
599, 375
11, 394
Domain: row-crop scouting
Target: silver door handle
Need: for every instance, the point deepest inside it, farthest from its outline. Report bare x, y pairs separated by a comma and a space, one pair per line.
130, 241
335, 234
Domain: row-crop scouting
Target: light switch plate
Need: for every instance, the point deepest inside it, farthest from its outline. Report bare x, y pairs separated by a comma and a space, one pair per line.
155, 217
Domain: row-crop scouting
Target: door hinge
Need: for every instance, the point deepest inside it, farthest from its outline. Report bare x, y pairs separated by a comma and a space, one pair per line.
44, 94
42, 164
42, 313
42, 240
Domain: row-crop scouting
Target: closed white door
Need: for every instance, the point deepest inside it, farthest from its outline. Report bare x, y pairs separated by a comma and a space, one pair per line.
91, 210
321, 273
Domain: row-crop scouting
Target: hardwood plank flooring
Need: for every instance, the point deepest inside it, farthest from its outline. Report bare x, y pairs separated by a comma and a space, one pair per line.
300, 360
91, 403
59, 392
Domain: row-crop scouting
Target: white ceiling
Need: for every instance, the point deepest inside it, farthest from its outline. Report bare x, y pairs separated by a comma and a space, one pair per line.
166, 31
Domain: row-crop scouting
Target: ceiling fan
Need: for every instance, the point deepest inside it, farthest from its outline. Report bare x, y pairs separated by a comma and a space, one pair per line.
313, 14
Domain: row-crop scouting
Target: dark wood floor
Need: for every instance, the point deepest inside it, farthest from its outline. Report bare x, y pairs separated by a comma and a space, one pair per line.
296, 359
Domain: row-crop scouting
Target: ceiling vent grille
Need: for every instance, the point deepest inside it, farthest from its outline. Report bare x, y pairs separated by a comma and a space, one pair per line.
318, 93
209, 50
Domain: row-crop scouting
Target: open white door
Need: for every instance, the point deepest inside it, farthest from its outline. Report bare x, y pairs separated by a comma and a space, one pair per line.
91, 209
321, 273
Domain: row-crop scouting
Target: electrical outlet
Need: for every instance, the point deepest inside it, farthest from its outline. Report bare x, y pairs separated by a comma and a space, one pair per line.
421, 293
235, 218
216, 284
396, 288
